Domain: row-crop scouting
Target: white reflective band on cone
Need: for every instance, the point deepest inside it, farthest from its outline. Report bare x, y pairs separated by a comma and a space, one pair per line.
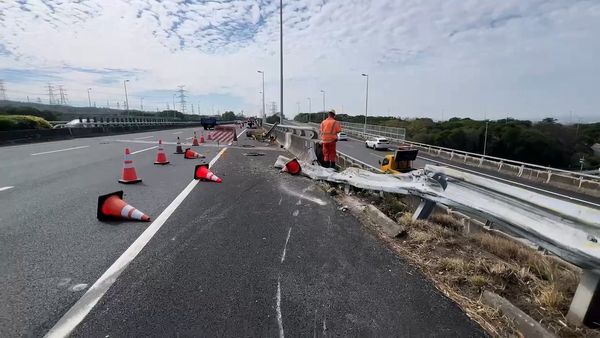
137, 214
125, 211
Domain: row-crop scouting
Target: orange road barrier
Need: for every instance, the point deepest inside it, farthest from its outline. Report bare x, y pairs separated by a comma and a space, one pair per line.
161, 157
111, 207
202, 173
129, 175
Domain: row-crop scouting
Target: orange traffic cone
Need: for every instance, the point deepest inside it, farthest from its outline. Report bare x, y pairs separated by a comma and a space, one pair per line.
210, 136
201, 138
178, 150
195, 140
129, 175
111, 207
161, 157
190, 154
292, 167
202, 173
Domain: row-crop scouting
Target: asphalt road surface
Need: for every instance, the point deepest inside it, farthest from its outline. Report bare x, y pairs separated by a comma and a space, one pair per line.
357, 149
261, 254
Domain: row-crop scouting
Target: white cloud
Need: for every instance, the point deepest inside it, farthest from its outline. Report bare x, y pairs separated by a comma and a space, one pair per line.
527, 58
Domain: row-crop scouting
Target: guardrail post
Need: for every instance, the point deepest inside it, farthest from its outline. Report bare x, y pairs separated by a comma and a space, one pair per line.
521, 170
452, 154
480, 161
585, 307
549, 175
500, 165
423, 210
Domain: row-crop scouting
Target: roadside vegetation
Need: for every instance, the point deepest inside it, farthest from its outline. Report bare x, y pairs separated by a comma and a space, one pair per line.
16, 122
546, 142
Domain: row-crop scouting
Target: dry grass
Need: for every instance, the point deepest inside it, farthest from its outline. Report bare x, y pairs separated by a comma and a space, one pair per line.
462, 266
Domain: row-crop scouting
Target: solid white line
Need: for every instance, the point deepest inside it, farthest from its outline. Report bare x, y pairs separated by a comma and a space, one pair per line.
177, 133
141, 138
139, 151
6, 188
285, 246
240, 134
511, 182
278, 309
77, 313
56, 151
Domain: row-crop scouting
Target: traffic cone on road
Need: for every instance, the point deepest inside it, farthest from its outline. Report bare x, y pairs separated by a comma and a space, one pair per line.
129, 174
292, 167
111, 207
190, 154
178, 150
210, 137
161, 157
202, 173
202, 138
195, 140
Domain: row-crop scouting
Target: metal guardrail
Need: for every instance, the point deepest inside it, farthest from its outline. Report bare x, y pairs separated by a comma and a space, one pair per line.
393, 133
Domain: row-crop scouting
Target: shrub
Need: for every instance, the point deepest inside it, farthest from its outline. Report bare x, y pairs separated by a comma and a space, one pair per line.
16, 122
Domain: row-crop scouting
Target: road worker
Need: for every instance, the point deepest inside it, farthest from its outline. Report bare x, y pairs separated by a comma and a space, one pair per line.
329, 131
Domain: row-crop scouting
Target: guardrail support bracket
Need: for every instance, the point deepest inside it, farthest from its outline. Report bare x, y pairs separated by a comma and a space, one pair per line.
585, 307
424, 209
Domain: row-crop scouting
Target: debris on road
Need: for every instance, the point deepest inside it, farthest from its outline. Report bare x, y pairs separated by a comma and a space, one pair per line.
254, 154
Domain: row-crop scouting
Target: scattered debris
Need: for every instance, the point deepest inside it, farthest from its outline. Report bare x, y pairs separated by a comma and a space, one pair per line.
254, 154
343, 208
247, 146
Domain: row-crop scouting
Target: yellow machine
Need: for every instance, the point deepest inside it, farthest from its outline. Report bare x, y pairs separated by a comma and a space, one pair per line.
400, 161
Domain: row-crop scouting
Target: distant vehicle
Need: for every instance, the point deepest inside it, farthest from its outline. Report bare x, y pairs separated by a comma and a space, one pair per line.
377, 143
208, 122
341, 136
399, 162
71, 124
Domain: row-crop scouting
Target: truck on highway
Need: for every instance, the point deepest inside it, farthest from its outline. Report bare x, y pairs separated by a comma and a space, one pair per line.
208, 122
399, 162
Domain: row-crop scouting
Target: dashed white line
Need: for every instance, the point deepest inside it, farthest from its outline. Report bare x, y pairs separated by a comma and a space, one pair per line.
6, 188
69, 321
278, 309
59, 150
142, 138
285, 246
177, 133
139, 151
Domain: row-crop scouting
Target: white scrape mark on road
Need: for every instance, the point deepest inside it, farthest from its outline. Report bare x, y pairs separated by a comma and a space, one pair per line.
139, 151
302, 196
78, 287
63, 282
6, 188
296, 212
279, 317
280, 200
77, 313
177, 133
299, 202
324, 327
143, 138
59, 150
285, 246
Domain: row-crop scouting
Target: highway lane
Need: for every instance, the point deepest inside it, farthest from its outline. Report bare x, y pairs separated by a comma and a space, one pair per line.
357, 149
225, 261
268, 254
51, 244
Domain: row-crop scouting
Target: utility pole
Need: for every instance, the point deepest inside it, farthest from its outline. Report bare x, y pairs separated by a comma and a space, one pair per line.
309, 109
366, 104
298, 103
50, 94
126, 98
192, 109
89, 100
142, 103
281, 59
182, 102
63, 95
485, 138
2, 91
264, 112
323, 92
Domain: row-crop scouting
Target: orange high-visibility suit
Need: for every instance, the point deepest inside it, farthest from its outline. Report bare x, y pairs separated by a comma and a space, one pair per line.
329, 130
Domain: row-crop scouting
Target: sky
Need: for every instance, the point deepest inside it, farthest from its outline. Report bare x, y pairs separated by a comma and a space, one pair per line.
425, 58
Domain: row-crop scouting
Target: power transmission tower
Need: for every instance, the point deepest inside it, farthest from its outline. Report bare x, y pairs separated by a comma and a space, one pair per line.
192, 109
63, 95
273, 108
2, 91
118, 105
50, 94
182, 97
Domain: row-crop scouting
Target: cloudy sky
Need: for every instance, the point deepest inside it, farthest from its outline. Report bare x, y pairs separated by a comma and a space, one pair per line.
437, 58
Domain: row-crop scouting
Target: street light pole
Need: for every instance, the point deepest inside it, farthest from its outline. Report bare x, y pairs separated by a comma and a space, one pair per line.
89, 100
323, 92
141, 103
485, 138
281, 59
174, 110
126, 99
264, 112
366, 104
309, 108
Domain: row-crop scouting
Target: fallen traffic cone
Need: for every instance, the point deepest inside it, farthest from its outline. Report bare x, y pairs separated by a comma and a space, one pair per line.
195, 140
161, 157
292, 167
111, 207
202, 173
178, 150
129, 175
190, 154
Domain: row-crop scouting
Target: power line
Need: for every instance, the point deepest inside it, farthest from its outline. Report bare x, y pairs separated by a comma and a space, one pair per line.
182, 102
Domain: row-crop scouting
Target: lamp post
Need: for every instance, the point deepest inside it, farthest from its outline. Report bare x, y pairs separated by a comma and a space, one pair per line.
323, 92
126, 99
174, 110
281, 59
485, 137
264, 112
309, 108
366, 104
89, 100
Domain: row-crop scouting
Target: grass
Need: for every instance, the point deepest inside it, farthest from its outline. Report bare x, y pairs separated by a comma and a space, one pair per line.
15, 122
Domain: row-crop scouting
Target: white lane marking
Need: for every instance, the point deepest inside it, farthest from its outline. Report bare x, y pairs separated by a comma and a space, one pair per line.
240, 134
189, 138
6, 188
139, 151
69, 321
512, 182
376, 155
177, 133
285, 246
59, 150
278, 309
141, 138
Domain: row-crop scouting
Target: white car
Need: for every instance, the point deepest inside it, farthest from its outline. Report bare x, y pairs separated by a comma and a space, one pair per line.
377, 143
341, 136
